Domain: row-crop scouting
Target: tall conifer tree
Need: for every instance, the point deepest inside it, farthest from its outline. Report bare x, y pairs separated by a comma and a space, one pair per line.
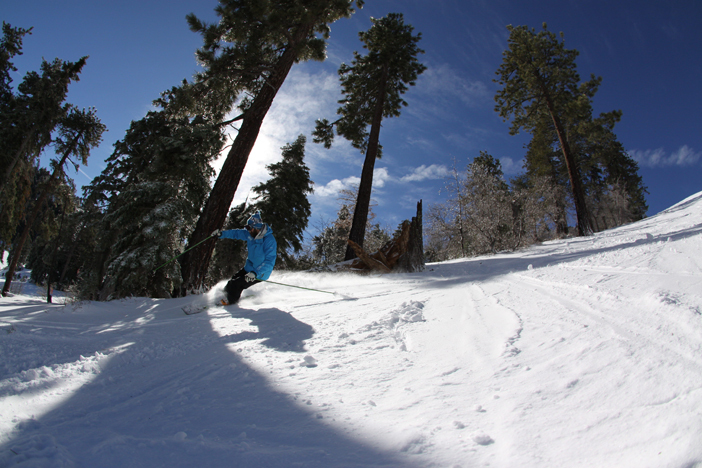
372, 86
27, 119
538, 77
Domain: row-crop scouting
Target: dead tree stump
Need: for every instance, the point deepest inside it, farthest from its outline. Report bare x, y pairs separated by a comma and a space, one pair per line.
403, 254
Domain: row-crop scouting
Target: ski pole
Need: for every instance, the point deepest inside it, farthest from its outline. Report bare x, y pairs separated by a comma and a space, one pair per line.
184, 251
299, 287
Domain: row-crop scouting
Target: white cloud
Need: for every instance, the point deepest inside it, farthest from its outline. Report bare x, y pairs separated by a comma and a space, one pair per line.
441, 92
446, 84
423, 172
381, 177
334, 187
683, 157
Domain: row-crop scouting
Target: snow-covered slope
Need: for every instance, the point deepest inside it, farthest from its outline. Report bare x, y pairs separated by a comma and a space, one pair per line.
584, 352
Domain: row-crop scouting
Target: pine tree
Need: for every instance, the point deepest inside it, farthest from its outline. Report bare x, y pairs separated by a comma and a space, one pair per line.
35, 182
10, 45
283, 198
538, 75
79, 132
613, 173
91, 237
51, 248
544, 162
604, 165
34, 114
27, 120
250, 51
372, 87
151, 193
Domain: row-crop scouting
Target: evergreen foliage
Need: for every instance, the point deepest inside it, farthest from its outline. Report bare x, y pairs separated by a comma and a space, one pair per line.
52, 249
28, 117
150, 195
539, 78
542, 93
283, 199
37, 181
78, 132
372, 86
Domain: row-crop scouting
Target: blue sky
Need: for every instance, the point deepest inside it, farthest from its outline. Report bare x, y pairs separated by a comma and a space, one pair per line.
647, 52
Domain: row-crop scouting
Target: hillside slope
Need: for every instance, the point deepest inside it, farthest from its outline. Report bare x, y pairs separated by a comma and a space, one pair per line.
582, 352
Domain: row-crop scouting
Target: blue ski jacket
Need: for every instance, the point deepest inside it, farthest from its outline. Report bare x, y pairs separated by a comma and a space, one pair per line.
262, 250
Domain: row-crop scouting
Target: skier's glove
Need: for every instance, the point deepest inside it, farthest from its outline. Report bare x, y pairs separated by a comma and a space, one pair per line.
216, 233
250, 277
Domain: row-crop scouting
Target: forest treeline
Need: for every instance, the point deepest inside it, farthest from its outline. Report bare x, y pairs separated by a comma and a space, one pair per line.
158, 194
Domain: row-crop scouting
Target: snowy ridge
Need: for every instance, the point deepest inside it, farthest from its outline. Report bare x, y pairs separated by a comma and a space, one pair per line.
582, 352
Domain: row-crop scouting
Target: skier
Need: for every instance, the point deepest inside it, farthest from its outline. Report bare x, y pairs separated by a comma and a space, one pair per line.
262, 251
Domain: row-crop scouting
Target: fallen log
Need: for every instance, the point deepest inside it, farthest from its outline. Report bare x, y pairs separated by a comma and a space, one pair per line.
366, 260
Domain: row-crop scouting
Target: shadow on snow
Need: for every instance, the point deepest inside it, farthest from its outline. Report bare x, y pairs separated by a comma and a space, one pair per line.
190, 401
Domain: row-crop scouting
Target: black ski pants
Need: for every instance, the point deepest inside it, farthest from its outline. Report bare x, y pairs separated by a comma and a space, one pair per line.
236, 285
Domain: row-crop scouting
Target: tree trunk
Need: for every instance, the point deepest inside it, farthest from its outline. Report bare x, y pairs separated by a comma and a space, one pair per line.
581, 211
49, 278
372, 263
413, 259
194, 264
360, 212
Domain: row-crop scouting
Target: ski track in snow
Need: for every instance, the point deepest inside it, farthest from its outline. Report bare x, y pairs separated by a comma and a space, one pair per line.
582, 352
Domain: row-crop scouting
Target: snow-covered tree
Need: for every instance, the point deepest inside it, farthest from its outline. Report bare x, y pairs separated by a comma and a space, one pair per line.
151, 193
331, 242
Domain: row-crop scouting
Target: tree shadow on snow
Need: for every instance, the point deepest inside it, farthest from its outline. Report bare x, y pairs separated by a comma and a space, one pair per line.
173, 394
